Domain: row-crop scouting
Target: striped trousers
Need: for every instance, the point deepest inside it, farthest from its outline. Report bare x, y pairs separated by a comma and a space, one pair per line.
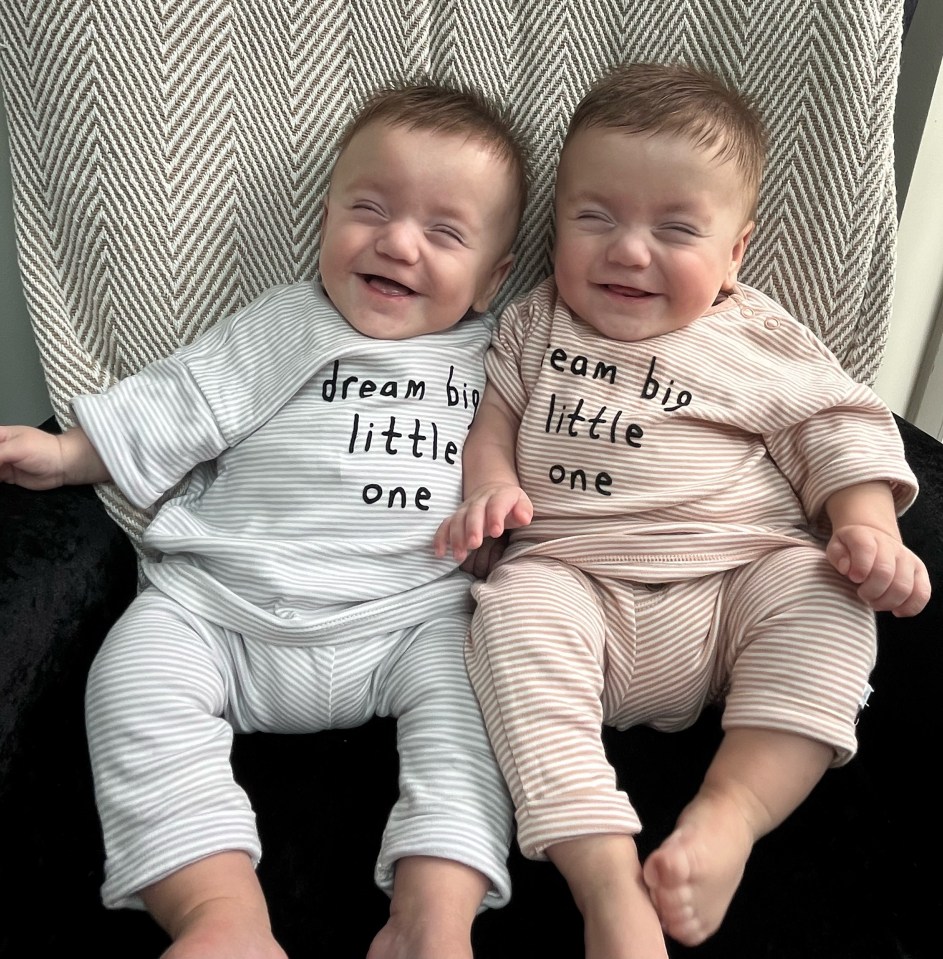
554, 654
168, 690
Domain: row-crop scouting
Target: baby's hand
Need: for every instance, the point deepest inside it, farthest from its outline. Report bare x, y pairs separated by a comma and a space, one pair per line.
30, 457
489, 511
889, 576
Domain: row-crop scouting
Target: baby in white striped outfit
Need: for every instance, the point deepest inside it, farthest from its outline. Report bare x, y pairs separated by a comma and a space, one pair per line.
292, 585
702, 508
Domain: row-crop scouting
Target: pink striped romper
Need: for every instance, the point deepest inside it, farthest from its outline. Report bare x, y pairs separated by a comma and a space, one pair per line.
676, 555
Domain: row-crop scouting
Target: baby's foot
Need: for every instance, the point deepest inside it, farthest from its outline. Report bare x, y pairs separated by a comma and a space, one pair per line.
421, 940
431, 913
623, 926
217, 931
693, 875
604, 875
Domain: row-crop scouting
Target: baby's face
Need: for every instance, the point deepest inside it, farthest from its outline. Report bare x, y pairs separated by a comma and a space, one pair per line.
648, 231
417, 230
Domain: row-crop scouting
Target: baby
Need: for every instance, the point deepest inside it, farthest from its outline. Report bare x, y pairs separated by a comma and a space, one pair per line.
702, 507
292, 587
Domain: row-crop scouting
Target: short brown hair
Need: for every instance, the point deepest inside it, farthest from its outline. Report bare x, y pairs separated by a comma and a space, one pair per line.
441, 108
675, 98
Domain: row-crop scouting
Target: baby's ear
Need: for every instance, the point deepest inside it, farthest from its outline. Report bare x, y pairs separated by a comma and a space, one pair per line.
736, 254
499, 274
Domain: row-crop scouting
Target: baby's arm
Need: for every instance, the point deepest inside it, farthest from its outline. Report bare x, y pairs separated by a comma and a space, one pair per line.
38, 460
494, 500
866, 547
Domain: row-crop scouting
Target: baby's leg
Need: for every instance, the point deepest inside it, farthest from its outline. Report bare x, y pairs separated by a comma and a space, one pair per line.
797, 646
757, 778
605, 878
179, 833
445, 847
538, 662
538, 659
214, 908
432, 909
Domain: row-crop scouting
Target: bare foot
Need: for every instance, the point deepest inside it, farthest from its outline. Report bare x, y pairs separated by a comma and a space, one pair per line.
605, 877
224, 929
693, 875
432, 938
214, 909
434, 904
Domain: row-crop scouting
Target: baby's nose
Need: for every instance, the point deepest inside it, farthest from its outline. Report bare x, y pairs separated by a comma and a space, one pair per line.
400, 241
629, 248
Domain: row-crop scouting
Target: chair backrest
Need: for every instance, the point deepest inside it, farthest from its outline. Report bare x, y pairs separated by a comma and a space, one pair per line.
169, 160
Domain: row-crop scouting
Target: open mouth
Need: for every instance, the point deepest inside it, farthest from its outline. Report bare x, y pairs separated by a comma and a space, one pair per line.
383, 284
630, 292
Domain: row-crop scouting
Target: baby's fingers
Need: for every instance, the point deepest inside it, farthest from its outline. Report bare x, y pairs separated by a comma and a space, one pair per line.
856, 555
442, 538
905, 595
917, 598
888, 575
520, 514
461, 532
509, 513
886, 587
470, 531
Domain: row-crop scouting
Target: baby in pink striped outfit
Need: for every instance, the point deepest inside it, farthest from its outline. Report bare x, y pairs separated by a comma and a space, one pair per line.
702, 507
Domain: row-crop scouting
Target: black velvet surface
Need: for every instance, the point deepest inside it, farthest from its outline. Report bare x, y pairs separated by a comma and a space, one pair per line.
853, 874
64, 578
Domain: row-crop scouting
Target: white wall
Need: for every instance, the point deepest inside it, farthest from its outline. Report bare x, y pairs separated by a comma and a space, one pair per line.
23, 396
910, 380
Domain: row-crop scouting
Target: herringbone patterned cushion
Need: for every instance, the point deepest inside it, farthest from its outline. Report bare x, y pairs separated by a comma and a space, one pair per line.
169, 160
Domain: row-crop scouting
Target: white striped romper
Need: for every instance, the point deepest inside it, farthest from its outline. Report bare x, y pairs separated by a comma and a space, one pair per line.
676, 556
292, 586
